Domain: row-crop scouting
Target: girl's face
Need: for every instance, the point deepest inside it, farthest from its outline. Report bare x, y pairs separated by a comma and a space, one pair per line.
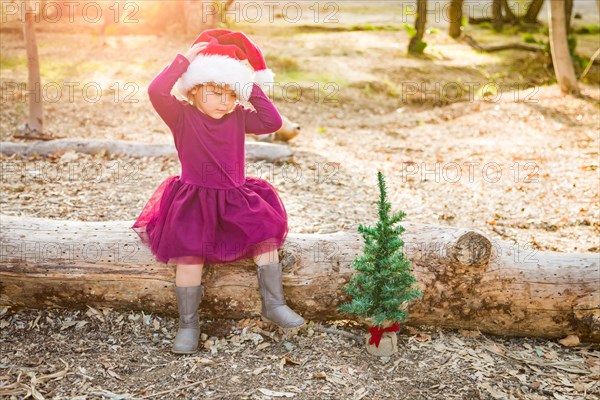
214, 100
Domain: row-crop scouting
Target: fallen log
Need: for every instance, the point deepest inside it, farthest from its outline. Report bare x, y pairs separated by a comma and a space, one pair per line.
508, 46
481, 20
287, 132
255, 151
468, 280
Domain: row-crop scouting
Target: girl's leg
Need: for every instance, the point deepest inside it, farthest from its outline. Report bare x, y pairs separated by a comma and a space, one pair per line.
187, 275
189, 292
270, 257
274, 308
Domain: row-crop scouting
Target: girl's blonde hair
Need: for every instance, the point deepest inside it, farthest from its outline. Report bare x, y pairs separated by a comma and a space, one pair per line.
190, 97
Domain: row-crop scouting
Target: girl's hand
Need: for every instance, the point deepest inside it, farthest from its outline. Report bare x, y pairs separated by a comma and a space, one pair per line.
193, 51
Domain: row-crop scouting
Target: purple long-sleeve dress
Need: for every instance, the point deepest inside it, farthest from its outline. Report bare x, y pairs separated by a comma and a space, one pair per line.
212, 213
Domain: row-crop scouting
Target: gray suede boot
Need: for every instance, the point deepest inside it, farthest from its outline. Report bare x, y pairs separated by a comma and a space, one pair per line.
274, 308
188, 301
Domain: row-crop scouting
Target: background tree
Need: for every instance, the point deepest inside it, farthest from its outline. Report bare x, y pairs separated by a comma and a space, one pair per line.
568, 14
35, 121
561, 56
508, 13
497, 18
531, 15
455, 15
416, 44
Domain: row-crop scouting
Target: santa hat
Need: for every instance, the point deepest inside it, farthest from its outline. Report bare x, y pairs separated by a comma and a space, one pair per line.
224, 60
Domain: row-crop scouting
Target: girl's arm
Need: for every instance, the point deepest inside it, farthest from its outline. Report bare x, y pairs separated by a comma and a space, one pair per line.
265, 118
168, 107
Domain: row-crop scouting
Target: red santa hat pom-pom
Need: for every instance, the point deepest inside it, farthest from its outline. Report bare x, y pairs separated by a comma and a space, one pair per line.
225, 60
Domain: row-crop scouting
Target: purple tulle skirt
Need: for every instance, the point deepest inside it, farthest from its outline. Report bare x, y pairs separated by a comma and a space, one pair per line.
184, 223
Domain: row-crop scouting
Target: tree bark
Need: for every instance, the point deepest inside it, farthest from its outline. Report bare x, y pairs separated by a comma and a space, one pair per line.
455, 15
469, 281
497, 18
415, 44
35, 120
568, 14
531, 15
223, 12
508, 13
254, 151
561, 57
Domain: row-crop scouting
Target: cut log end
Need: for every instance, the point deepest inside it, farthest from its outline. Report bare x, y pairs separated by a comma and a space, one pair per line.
472, 250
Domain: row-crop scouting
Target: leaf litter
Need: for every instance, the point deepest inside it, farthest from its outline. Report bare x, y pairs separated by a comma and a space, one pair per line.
126, 355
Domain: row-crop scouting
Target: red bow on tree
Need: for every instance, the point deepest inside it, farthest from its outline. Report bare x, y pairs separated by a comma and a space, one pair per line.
377, 332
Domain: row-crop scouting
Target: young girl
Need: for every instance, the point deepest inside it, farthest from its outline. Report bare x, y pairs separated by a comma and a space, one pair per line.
213, 213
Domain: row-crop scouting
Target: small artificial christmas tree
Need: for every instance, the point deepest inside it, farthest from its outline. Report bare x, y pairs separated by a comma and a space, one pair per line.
384, 284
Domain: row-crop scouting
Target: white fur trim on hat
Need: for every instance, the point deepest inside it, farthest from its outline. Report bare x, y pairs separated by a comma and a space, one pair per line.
265, 78
220, 69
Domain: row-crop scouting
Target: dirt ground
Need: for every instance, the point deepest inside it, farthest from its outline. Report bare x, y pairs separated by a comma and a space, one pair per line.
105, 354
519, 166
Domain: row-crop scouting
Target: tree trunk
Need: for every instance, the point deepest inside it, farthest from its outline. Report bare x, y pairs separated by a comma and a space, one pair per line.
223, 12
533, 11
469, 282
35, 120
561, 57
455, 16
568, 14
509, 15
416, 45
254, 151
497, 19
